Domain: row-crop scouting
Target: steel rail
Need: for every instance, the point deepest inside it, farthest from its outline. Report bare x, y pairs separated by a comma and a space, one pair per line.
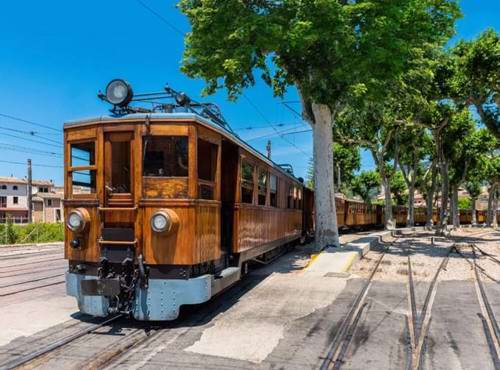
21, 256
33, 288
51, 347
22, 272
490, 324
31, 263
413, 315
424, 320
338, 348
31, 281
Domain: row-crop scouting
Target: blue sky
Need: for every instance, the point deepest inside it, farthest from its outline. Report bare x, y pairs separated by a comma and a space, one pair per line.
56, 55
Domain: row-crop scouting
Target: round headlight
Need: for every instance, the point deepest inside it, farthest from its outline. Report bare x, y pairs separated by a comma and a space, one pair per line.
161, 222
77, 220
119, 92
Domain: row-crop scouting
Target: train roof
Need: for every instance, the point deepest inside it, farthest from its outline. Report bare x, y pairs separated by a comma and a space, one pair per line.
184, 116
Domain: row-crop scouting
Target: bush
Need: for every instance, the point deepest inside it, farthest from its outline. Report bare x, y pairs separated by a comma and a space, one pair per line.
31, 233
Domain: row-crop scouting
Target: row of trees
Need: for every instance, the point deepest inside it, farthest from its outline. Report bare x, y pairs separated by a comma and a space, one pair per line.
369, 73
438, 132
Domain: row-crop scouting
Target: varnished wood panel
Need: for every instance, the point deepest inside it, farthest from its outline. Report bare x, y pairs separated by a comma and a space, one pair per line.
260, 225
89, 249
81, 134
166, 188
177, 247
208, 227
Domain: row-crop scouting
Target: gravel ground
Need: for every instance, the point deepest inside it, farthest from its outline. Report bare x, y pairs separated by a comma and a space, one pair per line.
426, 257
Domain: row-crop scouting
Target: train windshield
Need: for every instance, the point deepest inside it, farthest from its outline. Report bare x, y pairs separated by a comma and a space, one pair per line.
165, 156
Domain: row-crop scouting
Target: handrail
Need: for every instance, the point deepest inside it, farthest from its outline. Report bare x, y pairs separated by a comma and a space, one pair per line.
110, 209
117, 242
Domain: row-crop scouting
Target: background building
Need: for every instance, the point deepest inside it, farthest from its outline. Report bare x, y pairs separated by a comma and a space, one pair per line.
47, 203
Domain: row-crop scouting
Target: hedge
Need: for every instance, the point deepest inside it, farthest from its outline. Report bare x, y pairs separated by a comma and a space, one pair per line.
31, 233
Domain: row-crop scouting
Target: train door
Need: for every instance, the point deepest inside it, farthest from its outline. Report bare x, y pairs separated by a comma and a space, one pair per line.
229, 163
118, 173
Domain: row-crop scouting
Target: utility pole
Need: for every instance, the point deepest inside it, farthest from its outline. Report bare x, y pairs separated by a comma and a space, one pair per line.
30, 194
268, 149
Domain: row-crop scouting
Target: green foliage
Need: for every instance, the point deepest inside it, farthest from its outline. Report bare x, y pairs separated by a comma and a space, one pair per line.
464, 203
476, 77
31, 233
8, 233
330, 50
349, 160
473, 188
366, 185
399, 189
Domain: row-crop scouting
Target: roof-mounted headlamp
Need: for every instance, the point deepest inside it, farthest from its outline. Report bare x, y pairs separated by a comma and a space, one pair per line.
119, 93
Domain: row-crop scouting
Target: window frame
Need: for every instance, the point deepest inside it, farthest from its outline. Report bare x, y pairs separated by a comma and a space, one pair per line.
163, 135
203, 182
262, 170
91, 168
243, 182
15, 200
275, 192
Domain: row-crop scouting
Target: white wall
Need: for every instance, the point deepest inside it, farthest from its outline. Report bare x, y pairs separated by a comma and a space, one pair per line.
21, 193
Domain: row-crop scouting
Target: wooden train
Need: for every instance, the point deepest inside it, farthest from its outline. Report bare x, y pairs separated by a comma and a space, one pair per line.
166, 206
352, 213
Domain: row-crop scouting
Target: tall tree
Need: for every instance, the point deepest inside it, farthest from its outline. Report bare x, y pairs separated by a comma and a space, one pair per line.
476, 78
331, 50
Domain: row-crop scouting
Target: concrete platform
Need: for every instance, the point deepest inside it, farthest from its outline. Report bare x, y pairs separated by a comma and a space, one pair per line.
340, 260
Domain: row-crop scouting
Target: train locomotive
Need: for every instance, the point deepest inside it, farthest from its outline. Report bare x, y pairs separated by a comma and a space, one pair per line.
165, 206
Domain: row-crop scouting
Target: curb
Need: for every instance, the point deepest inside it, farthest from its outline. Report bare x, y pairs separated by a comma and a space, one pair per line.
340, 260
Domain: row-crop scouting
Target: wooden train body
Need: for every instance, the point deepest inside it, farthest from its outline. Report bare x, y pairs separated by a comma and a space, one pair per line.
166, 209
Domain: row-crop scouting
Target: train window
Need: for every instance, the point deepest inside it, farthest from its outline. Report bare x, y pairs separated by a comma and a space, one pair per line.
207, 167
290, 196
85, 179
83, 154
120, 166
273, 183
262, 187
165, 156
207, 160
246, 182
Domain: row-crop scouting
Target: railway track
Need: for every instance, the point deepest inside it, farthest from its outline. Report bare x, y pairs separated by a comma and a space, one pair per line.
24, 360
487, 316
418, 324
340, 343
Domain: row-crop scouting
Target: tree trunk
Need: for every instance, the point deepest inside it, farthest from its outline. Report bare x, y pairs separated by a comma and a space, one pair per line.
494, 222
324, 200
489, 120
443, 214
491, 196
430, 197
455, 216
411, 204
473, 209
389, 223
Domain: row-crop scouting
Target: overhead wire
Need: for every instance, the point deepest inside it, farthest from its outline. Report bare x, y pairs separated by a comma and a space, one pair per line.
33, 141
23, 149
161, 17
33, 164
272, 126
29, 122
